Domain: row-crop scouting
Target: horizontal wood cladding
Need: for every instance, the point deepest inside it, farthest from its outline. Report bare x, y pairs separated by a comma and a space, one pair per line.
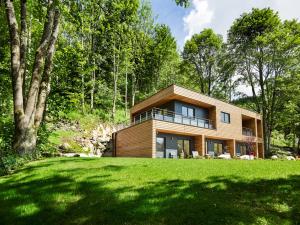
156, 99
135, 141
140, 140
197, 98
200, 145
221, 133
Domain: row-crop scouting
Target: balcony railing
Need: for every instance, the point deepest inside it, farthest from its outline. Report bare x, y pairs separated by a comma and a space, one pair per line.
169, 116
247, 131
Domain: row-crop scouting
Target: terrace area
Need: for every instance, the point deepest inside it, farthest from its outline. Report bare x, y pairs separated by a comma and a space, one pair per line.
170, 116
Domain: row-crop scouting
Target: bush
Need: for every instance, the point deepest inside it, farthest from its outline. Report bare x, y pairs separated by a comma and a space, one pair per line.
9, 163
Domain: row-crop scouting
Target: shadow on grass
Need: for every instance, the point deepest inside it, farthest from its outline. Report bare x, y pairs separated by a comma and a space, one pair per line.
59, 199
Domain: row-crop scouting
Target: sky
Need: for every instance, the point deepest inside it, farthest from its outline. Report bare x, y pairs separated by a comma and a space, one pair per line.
216, 14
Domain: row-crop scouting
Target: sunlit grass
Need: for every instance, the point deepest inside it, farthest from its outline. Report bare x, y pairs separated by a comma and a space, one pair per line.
152, 191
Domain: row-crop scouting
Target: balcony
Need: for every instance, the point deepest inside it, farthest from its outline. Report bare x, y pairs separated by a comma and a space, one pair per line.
169, 116
247, 131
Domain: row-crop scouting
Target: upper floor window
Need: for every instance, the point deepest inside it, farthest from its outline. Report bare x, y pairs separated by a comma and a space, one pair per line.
187, 111
225, 117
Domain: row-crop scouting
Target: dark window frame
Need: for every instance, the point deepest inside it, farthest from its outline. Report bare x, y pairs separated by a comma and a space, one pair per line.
225, 117
188, 110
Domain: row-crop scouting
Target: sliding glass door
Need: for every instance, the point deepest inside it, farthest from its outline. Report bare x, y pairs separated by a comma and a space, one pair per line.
160, 147
214, 147
183, 146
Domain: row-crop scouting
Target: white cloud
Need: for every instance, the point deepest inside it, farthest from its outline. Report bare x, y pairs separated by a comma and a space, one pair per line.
199, 16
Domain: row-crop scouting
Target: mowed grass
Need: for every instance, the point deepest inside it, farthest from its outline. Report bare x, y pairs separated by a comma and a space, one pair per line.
151, 191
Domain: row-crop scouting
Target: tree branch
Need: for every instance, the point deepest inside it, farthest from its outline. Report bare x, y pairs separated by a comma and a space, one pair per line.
15, 61
39, 62
23, 47
45, 84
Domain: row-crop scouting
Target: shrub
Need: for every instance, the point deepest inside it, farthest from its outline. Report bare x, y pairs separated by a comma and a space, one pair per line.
10, 162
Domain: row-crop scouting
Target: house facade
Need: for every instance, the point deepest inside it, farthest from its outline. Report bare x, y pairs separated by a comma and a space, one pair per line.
178, 122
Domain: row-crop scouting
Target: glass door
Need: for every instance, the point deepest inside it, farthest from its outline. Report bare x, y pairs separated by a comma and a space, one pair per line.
160, 147
183, 147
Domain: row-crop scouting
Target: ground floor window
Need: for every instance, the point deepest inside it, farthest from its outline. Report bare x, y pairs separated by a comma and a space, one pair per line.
218, 148
160, 147
183, 146
242, 149
214, 147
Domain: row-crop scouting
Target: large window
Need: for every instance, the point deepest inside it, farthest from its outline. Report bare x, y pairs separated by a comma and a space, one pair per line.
242, 149
183, 146
188, 111
225, 117
160, 147
214, 148
218, 148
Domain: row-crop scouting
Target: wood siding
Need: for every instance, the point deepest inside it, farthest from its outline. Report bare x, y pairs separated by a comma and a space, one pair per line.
140, 140
135, 141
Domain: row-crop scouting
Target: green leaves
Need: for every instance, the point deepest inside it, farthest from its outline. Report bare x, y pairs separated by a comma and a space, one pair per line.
204, 52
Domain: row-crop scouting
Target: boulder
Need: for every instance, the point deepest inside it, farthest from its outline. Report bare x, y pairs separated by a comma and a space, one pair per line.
274, 157
65, 146
290, 158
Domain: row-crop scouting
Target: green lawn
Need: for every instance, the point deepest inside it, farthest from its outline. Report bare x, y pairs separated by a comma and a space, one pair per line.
151, 191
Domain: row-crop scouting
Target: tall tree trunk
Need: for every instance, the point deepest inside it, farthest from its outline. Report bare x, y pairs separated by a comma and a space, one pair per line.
126, 89
115, 73
93, 86
209, 81
28, 117
133, 86
82, 83
264, 109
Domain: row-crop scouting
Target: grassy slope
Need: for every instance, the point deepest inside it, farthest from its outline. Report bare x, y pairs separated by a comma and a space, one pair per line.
146, 191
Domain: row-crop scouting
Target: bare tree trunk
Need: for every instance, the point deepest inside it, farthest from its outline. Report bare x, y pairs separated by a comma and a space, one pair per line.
23, 47
82, 84
25, 135
115, 85
133, 86
92, 58
126, 90
266, 133
93, 86
298, 145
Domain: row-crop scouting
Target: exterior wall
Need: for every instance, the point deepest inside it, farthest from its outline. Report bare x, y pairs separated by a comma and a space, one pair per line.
171, 140
200, 144
223, 134
199, 111
140, 140
176, 106
250, 123
135, 141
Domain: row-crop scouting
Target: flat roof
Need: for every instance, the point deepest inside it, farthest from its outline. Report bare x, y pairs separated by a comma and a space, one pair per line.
203, 95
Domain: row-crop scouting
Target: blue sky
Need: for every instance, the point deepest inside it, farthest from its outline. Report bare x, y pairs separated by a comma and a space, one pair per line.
216, 14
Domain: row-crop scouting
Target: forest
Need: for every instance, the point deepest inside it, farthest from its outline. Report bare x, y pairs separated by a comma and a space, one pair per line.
61, 59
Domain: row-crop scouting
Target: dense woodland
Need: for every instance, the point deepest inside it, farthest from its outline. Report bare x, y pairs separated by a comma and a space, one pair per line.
100, 57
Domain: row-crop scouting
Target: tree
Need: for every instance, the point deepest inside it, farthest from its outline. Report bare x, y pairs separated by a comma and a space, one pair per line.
202, 51
29, 107
265, 50
184, 3
288, 118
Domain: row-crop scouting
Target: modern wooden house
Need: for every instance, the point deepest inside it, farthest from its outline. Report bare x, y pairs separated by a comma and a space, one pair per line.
176, 121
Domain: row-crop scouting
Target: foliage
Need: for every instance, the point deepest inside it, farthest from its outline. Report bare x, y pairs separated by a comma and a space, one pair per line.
266, 50
112, 53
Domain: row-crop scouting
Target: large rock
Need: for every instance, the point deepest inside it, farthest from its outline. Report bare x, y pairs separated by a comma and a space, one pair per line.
65, 146
274, 157
290, 158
